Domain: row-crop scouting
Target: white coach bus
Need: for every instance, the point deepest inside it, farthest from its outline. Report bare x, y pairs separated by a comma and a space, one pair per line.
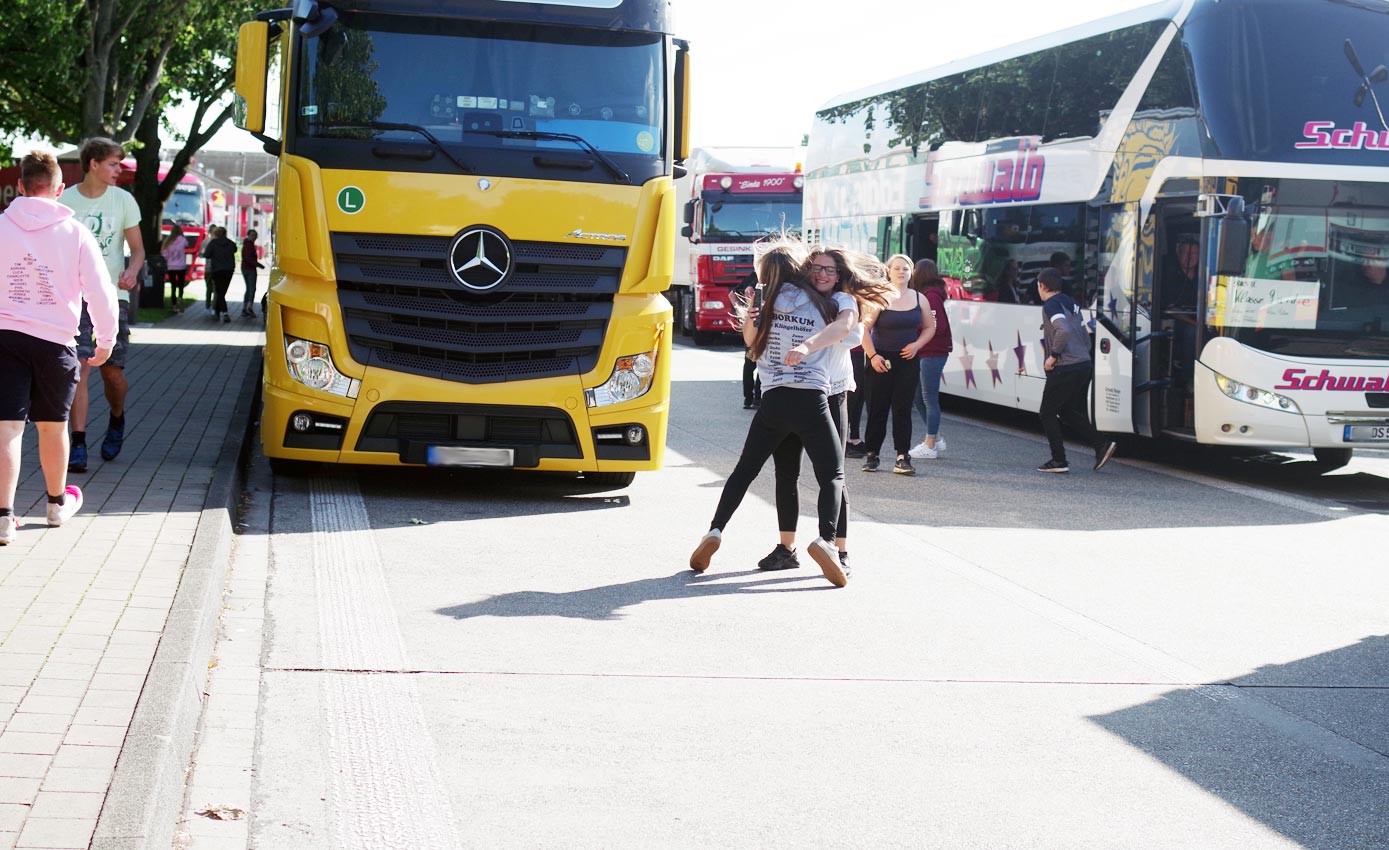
1212, 178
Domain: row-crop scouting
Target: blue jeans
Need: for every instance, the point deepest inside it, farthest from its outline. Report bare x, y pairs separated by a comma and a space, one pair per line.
928, 399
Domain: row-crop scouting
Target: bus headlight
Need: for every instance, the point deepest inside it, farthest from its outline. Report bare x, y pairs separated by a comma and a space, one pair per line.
311, 364
1253, 395
631, 378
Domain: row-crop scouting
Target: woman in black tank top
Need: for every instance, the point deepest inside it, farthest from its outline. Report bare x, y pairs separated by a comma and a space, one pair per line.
894, 337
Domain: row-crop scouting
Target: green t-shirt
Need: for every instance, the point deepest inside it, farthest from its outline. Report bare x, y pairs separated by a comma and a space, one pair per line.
107, 217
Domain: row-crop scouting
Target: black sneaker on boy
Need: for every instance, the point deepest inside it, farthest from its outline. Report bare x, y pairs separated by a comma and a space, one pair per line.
1054, 466
780, 558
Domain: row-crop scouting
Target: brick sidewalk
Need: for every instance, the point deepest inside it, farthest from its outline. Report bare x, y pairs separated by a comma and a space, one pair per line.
83, 607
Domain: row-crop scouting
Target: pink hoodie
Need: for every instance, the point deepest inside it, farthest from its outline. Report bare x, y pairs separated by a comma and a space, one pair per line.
49, 263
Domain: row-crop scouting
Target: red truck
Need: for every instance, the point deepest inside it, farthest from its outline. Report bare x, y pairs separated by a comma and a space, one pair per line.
735, 196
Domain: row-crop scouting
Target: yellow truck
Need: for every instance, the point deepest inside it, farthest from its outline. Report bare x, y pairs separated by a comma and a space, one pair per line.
474, 224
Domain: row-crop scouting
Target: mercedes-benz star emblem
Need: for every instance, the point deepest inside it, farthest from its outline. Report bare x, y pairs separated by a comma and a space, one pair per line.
479, 258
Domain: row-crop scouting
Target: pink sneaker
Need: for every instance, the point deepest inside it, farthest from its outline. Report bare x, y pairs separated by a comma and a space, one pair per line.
72, 503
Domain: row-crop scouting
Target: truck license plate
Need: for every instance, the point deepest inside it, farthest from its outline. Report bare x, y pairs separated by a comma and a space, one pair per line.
1367, 433
469, 456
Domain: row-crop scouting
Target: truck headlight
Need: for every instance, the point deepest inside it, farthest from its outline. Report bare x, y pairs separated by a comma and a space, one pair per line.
631, 378
712, 305
1253, 395
311, 364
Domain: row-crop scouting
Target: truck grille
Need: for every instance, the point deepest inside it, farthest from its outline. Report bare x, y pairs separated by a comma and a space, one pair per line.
404, 312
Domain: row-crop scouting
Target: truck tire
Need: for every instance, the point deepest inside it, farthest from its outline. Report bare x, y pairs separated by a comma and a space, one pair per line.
687, 313
1329, 459
703, 337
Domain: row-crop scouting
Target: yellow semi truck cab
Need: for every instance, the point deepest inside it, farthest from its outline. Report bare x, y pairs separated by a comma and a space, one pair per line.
474, 223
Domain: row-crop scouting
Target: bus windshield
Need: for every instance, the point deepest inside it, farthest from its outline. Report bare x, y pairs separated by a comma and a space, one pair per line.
748, 221
470, 84
185, 206
1315, 284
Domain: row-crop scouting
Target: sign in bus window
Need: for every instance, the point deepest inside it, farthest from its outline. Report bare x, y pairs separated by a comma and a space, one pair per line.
1251, 302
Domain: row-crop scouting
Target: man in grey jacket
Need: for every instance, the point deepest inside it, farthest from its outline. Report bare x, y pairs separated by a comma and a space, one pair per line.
1068, 374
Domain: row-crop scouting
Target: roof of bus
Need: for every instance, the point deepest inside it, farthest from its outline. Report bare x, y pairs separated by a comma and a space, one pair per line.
128, 164
1172, 10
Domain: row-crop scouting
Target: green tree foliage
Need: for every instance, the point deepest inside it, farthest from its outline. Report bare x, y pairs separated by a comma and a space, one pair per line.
70, 69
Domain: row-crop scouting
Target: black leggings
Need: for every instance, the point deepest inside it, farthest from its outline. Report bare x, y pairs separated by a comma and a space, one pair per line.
752, 383
893, 390
785, 411
858, 396
178, 279
220, 282
786, 460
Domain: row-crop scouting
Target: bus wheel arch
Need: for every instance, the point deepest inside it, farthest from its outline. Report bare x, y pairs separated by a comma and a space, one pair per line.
1332, 458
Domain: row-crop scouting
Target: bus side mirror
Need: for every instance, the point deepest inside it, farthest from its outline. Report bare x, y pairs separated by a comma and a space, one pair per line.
1232, 239
252, 54
681, 146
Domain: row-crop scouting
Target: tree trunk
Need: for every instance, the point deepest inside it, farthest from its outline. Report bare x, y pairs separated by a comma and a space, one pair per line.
148, 191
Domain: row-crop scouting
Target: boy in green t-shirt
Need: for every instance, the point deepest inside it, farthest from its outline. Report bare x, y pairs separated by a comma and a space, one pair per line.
111, 215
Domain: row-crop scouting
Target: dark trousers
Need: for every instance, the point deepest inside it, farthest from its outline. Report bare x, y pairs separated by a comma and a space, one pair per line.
248, 275
752, 384
178, 279
858, 396
220, 282
785, 411
786, 460
1064, 402
893, 392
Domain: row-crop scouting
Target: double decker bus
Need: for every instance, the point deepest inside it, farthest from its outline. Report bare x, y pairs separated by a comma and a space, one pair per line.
1212, 176
475, 220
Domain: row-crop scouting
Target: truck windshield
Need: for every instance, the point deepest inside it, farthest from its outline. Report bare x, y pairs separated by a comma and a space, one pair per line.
1315, 284
748, 221
185, 205
480, 86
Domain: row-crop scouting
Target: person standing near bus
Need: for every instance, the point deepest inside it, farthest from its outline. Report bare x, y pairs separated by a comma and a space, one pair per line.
791, 338
1067, 345
862, 278
111, 215
220, 253
174, 248
895, 336
50, 264
931, 358
250, 261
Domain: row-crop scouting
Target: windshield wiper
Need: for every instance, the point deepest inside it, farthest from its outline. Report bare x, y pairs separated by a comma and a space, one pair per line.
536, 135
391, 125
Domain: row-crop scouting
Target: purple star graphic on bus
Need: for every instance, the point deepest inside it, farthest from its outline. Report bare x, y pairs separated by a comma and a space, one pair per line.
992, 360
967, 361
1021, 351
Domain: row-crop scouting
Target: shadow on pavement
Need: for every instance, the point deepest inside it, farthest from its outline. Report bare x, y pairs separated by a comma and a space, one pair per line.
1269, 754
604, 603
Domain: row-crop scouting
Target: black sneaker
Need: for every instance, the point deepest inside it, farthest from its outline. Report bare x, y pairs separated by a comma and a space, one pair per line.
855, 450
780, 558
1054, 466
903, 466
870, 462
1104, 453
747, 404
844, 563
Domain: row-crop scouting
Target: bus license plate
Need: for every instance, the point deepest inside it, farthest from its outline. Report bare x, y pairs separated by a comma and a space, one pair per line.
468, 456
1367, 433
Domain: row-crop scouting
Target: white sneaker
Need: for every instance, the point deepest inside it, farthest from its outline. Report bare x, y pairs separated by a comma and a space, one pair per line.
940, 444
9, 527
824, 554
708, 545
921, 451
72, 503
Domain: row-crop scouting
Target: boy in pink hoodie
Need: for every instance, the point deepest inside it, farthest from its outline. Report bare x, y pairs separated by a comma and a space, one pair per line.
48, 264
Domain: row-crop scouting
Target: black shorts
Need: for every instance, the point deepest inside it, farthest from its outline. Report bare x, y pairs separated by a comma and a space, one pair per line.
86, 346
40, 378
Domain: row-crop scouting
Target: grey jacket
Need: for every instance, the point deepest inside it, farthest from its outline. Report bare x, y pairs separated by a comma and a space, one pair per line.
1064, 333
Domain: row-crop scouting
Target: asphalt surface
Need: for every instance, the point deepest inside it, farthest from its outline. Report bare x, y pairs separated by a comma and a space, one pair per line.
1180, 651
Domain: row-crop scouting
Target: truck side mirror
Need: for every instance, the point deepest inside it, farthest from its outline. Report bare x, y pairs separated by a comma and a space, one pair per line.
252, 53
681, 147
687, 231
689, 212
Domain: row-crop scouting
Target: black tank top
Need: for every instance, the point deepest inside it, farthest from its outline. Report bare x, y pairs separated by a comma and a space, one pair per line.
893, 330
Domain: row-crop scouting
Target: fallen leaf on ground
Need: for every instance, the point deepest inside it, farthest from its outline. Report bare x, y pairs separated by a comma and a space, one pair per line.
221, 813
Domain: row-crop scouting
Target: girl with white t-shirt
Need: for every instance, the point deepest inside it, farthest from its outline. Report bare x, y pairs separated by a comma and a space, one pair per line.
791, 338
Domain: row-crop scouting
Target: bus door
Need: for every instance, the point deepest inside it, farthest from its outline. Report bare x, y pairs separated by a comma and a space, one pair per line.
1176, 317
921, 236
1115, 312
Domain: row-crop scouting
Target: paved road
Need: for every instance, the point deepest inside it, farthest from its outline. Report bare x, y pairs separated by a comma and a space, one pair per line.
1146, 657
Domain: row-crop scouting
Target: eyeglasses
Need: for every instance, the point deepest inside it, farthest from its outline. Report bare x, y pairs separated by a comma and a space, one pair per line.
830, 270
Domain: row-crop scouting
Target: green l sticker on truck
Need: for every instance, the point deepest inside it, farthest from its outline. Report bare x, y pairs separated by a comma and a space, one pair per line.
351, 200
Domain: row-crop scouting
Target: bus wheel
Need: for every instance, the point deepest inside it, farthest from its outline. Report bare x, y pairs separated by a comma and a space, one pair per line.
598, 481
1329, 459
286, 468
